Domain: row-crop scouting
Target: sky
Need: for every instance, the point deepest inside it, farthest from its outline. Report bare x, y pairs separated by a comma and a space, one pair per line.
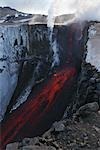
28, 6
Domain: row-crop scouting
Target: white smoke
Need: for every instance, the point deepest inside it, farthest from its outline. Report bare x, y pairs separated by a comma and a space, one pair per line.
51, 15
50, 23
83, 9
88, 10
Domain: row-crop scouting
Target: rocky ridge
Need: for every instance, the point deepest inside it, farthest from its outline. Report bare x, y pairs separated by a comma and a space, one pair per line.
9, 16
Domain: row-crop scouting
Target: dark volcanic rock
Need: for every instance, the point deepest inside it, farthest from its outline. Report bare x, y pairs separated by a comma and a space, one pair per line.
87, 109
76, 135
88, 90
4, 11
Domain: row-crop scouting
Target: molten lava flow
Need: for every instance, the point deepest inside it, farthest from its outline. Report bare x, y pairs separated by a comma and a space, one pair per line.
31, 112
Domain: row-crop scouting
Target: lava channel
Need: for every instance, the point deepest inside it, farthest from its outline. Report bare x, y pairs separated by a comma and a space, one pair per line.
29, 115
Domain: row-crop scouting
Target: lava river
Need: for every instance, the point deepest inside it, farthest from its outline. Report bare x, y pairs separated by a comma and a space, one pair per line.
30, 113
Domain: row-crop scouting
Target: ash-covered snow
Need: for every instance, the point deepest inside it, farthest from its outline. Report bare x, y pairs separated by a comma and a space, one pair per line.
93, 46
25, 93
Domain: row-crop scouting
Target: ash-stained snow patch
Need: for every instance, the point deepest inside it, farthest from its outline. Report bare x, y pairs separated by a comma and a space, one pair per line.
93, 46
25, 93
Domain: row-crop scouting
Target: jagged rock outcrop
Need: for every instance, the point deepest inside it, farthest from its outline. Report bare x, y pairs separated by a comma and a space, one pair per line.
4, 11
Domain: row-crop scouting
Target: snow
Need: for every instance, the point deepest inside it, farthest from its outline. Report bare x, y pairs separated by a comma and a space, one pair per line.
22, 20
55, 49
16, 15
92, 31
93, 46
1, 21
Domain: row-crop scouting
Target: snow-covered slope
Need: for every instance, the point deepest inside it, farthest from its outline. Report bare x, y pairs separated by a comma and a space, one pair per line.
93, 46
12, 44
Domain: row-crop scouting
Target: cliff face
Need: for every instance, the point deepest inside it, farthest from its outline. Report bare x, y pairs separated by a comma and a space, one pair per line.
13, 41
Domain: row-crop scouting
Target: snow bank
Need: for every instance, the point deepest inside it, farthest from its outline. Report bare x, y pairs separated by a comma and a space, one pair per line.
93, 46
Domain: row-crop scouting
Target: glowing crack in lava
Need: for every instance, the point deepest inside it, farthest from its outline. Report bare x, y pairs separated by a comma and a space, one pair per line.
31, 112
